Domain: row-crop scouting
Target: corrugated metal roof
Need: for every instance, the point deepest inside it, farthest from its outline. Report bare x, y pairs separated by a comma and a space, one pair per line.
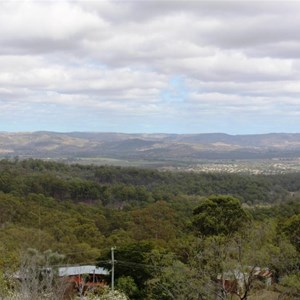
79, 270
242, 275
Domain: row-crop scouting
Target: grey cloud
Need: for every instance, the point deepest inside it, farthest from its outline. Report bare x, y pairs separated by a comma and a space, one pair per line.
121, 55
148, 9
247, 33
282, 49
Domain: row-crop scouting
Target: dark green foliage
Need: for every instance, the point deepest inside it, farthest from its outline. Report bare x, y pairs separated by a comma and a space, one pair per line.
157, 221
219, 215
81, 190
127, 285
131, 186
132, 261
291, 227
82, 211
282, 210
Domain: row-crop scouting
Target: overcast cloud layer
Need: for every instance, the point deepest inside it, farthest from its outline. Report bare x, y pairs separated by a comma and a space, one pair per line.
150, 66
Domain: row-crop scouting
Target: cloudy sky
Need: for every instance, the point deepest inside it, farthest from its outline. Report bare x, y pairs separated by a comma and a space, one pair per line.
150, 66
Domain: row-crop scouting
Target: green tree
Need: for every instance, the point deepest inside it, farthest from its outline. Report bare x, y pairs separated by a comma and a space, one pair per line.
291, 227
175, 280
127, 285
290, 286
131, 260
219, 215
156, 221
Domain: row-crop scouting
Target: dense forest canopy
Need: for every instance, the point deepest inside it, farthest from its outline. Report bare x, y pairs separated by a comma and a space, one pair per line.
119, 186
168, 217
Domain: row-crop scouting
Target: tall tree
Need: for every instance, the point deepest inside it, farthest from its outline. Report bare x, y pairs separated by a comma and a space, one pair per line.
131, 261
219, 215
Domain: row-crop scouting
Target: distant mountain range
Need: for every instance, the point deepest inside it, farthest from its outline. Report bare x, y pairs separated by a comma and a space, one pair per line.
179, 147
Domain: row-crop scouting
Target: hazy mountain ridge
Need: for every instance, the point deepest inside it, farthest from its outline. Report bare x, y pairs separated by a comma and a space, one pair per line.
149, 146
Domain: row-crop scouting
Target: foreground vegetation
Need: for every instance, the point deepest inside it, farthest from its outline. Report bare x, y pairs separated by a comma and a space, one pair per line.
173, 238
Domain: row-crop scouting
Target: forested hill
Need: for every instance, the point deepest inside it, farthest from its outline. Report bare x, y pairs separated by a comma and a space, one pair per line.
179, 147
118, 187
168, 228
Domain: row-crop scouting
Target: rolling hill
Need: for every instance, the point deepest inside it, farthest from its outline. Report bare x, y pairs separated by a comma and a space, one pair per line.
179, 147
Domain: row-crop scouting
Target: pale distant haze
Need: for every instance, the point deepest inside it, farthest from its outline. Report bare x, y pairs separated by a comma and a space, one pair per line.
150, 66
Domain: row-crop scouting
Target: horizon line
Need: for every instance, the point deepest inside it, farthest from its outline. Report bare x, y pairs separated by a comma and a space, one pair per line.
141, 133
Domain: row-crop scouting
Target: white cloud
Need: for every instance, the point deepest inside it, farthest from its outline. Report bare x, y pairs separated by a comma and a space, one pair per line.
43, 26
119, 57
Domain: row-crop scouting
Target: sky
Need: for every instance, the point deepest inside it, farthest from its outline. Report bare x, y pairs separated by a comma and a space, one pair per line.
163, 66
